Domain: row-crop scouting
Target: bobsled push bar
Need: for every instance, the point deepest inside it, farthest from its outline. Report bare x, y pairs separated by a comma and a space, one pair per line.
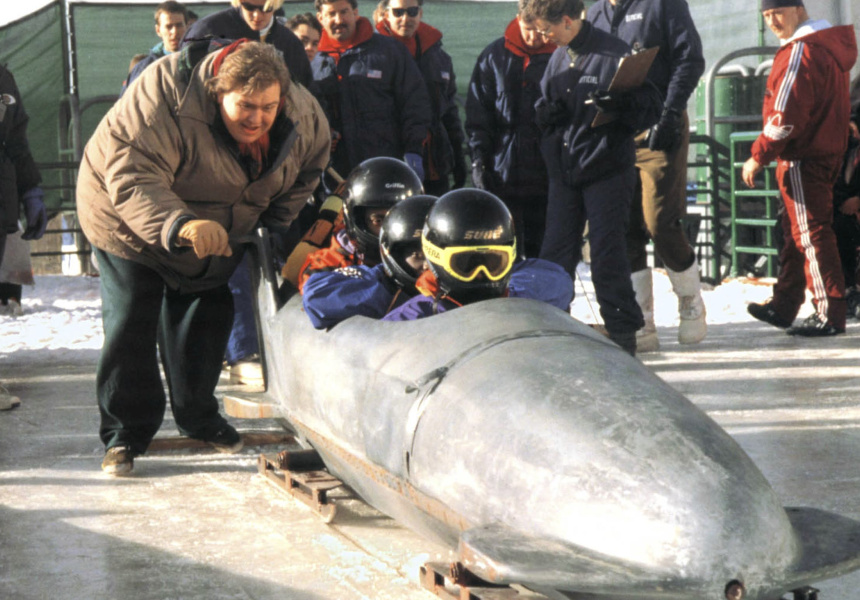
302, 474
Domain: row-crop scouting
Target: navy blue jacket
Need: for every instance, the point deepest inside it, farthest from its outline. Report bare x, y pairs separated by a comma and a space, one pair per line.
500, 120
154, 54
375, 98
329, 297
446, 131
573, 150
665, 23
229, 24
437, 69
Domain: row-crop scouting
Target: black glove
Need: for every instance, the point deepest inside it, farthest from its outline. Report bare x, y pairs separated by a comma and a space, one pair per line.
665, 135
551, 114
481, 178
612, 102
459, 170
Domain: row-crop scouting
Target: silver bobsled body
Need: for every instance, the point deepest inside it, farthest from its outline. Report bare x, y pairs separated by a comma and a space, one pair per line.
543, 452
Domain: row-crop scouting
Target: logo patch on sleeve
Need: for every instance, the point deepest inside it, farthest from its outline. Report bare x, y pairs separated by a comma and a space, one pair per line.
775, 130
374, 74
352, 272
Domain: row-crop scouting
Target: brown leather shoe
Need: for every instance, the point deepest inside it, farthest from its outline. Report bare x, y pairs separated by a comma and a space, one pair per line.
118, 461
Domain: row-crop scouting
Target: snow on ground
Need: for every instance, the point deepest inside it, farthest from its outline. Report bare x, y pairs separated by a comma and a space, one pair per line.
725, 303
62, 314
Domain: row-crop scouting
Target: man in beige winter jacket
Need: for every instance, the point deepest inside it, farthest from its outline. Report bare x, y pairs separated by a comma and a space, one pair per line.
201, 148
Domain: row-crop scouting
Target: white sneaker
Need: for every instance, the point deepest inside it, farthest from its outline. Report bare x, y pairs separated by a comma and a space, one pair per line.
7, 400
643, 287
691, 308
15, 308
693, 327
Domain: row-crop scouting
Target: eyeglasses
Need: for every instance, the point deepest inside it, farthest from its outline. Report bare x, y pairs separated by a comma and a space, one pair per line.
466, 263
543, 32
254, 8
412, 11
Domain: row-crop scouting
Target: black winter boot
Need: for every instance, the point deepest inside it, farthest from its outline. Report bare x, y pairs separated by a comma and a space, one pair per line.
625, 339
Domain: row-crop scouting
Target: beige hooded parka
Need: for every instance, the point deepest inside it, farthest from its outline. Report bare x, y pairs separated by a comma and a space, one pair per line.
155, 158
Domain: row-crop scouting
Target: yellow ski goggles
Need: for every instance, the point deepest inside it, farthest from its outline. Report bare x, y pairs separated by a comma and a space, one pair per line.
466, 263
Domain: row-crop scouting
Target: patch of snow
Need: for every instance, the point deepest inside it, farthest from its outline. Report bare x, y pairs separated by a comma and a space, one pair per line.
725, 303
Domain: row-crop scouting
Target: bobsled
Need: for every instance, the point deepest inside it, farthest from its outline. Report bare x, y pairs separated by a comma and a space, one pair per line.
540, 451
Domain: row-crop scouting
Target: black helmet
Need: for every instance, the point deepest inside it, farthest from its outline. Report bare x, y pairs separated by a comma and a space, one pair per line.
470, 245
375, 183
401, 236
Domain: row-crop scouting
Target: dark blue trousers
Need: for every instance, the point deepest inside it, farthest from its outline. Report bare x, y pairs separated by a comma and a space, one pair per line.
243, 340
605, 205
142, 316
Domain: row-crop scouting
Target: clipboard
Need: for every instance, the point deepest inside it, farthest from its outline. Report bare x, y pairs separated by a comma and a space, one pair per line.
631, 73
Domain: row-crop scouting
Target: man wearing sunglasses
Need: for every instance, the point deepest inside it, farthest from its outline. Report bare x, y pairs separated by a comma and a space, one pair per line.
471, 249
370, 89
255, 20
443, 155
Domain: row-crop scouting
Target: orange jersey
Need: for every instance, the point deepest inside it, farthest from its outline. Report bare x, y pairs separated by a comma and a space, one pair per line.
340, 253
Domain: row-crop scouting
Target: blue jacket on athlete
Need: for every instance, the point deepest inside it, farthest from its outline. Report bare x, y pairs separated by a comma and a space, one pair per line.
373, 95
532, 278
665, 23
575, 151
500, 115
229, 24
332, 296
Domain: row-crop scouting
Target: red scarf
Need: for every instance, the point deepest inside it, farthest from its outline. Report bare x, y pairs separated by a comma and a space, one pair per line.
257, 151
425, 35
427, 284
334, 48
514, 42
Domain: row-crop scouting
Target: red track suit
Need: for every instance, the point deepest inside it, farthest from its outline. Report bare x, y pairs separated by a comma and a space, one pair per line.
806, 110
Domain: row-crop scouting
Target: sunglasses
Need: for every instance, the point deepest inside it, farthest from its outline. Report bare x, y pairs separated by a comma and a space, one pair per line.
254, 8
412, 11
466, 263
